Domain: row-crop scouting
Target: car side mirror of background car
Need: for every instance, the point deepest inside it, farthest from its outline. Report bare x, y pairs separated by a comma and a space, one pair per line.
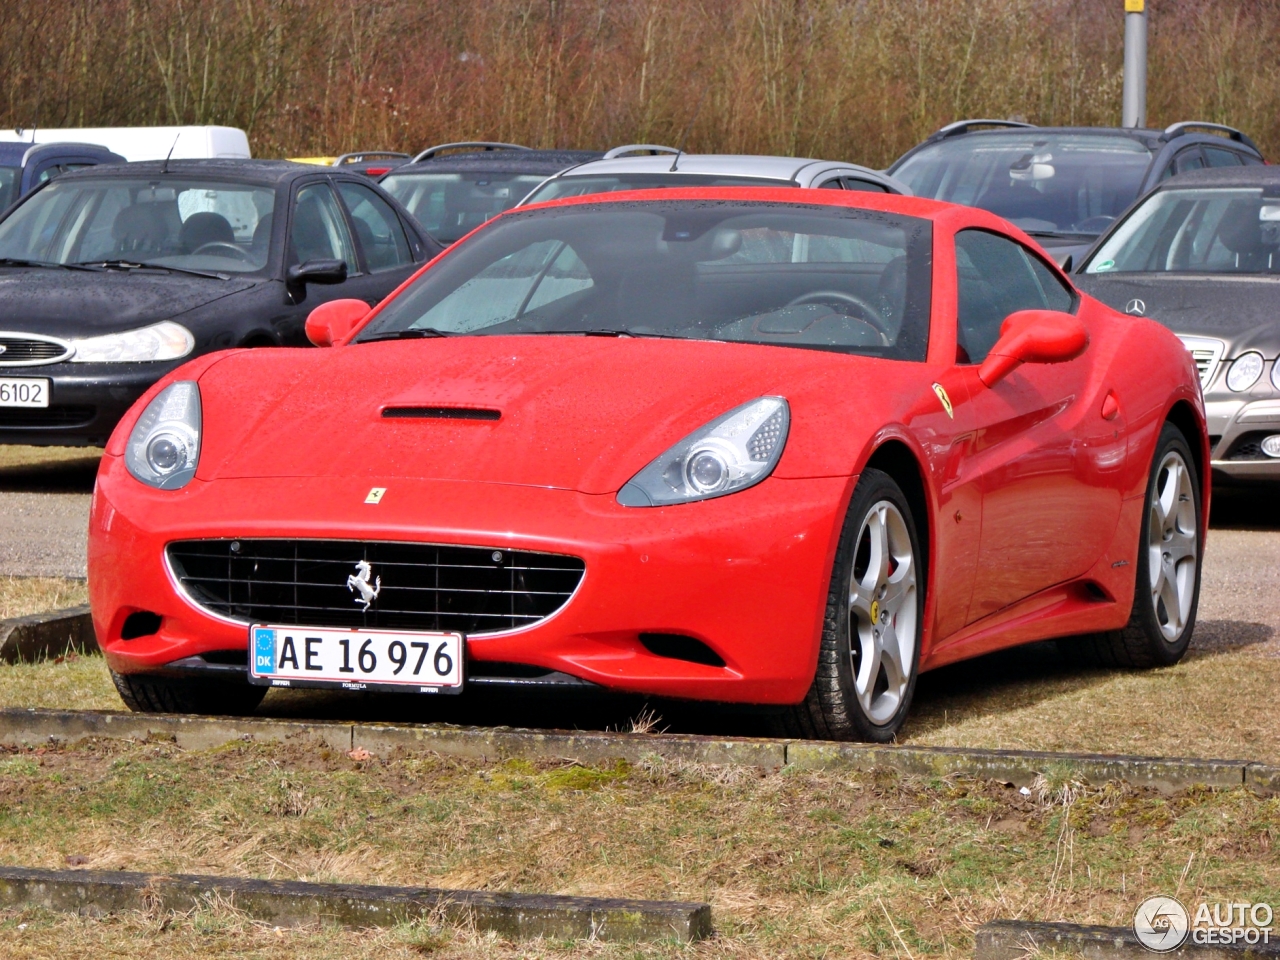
1033, 336
317, 271
333, 321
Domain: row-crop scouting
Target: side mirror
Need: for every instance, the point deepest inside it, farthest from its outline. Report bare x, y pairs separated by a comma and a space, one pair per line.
333, 321
1033, 336
316, 271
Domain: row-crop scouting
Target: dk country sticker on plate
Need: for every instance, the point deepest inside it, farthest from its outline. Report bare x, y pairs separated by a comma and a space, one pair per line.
356, 659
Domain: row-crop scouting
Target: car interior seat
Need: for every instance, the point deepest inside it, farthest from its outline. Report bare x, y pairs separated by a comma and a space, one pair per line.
310, 238
891, 295
202, 228
139, 229
1241, 232
262, 234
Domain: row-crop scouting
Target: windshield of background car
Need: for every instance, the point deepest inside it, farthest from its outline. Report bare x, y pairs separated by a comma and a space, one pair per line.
616, 183
836, 278
10, 178
1043, 183
1216, 230
160, 221
451, 205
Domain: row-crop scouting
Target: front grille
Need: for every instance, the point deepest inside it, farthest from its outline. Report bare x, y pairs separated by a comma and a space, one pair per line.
419, 586
67, 415
25, 351
1207, 354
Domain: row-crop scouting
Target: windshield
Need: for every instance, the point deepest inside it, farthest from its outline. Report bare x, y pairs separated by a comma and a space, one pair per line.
164, 222
451, 205
837, 278
1043, 183
10, 178
580, 186
1196, 231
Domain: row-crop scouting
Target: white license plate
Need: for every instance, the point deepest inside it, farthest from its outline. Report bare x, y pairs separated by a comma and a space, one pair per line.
356, 659
23, 393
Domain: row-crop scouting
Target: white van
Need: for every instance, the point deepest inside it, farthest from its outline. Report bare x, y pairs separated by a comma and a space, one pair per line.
146, 143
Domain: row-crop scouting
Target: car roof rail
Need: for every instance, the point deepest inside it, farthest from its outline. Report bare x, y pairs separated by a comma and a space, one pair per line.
649, 148
1186, 126
480, 145
961, 127
369, 155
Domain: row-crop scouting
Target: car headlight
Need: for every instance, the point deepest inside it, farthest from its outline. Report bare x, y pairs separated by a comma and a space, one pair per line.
164, 447
160, 341
1275, 374
1245, 371
729, 454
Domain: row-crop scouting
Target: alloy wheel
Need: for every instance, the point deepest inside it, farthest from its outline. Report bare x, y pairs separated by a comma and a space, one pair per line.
1172, 532
882, 612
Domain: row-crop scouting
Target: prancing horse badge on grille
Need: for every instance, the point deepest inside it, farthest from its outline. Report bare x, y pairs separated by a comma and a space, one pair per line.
359, 584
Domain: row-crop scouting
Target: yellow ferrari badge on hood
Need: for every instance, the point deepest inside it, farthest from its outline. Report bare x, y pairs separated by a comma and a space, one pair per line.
941, 391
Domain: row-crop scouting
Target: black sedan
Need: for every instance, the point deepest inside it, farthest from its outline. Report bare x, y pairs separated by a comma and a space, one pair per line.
1201, 255
112, 276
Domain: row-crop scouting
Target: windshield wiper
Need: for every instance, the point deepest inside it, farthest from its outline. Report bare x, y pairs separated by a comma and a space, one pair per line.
413, 333
130, 265
1061, 234
19, 262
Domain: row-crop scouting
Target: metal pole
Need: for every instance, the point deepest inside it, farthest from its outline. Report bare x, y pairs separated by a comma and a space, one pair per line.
1134, 113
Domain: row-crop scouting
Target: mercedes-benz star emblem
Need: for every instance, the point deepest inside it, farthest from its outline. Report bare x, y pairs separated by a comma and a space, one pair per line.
1135, 307
359, 584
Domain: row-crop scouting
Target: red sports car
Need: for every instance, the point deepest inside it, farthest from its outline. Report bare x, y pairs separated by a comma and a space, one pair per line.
750, 445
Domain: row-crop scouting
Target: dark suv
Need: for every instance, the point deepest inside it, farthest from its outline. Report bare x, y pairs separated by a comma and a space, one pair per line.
455, 187
1062, 185
24, 166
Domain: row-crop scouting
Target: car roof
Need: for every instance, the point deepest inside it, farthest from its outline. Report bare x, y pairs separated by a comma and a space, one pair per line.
706, 164
500, 161
249, 171
1251, 176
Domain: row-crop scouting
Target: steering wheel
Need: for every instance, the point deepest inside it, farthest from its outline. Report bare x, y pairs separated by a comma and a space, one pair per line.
870, 315
220, 248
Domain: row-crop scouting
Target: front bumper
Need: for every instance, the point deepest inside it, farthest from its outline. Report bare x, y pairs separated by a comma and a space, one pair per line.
86, 401
1237, 426
746, 574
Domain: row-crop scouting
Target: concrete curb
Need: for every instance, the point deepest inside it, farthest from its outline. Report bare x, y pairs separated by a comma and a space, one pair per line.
1017, 940
288, 903
35, 726
47, 635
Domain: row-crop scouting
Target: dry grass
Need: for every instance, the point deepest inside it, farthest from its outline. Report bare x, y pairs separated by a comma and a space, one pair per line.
20, 596
793, 863
853, 79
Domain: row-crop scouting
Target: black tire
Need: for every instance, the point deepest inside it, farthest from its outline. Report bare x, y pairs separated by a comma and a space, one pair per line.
833, 710
142, 693
1145, 640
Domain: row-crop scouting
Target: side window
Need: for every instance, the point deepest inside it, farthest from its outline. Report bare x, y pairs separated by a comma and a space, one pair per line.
319, 230
1249, 160
1221, 158
832, 184
1188, 160
866, 186
378, 229
996, 278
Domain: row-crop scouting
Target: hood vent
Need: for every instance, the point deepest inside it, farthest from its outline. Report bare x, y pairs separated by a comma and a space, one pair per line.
440, 413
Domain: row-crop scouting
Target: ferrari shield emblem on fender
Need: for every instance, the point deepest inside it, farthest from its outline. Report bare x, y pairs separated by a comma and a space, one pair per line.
945, 400
375, 495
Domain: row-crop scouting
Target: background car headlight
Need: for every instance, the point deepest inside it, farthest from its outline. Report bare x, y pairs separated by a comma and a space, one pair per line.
1245, 371
1275, 374
160, 341
729, 454
164, 447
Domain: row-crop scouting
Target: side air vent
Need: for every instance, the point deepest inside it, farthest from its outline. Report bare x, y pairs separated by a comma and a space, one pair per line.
440, 413
142, 623
676, 646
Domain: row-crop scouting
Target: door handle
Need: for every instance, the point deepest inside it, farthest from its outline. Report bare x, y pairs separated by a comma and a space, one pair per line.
1110, 406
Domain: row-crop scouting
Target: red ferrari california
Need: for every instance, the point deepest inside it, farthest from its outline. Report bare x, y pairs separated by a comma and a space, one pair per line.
763, 446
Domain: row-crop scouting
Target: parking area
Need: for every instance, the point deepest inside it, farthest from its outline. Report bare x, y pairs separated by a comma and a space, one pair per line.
1210, 705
